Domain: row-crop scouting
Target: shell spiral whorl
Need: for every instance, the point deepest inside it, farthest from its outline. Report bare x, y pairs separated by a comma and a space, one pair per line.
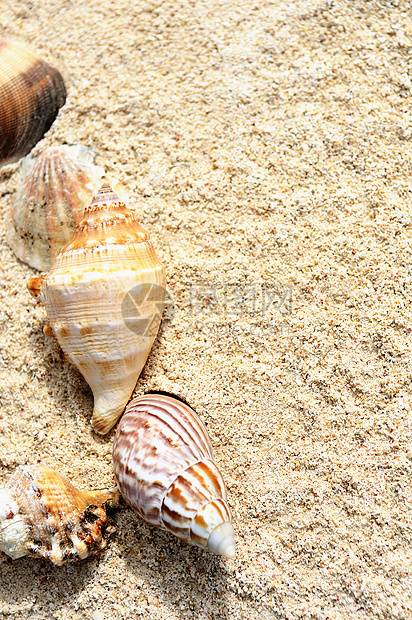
164, 467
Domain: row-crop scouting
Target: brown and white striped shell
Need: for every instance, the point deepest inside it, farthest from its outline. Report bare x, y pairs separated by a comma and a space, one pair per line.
104, 298
54, 189
43, 515
31, 94
164, 467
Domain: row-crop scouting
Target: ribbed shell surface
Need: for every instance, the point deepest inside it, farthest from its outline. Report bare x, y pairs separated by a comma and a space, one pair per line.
54, 190
163, 463
31, 94
109, 257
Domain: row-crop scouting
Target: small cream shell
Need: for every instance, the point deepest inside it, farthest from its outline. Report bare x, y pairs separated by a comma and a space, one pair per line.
50, 201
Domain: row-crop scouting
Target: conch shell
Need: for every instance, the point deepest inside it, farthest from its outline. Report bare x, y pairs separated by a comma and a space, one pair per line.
31, 94
164, 467
104, 298
50, 202
43, 515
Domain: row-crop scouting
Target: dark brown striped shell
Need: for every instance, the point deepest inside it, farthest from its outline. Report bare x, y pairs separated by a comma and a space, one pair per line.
31, 94
164, 467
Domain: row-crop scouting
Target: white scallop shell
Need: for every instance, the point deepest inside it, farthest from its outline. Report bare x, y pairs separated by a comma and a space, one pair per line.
54, 190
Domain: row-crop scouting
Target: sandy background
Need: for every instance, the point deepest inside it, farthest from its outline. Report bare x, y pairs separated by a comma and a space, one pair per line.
262, 144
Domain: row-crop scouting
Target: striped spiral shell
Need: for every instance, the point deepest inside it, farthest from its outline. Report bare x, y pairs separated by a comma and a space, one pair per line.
164, 467
31, 94
43, 515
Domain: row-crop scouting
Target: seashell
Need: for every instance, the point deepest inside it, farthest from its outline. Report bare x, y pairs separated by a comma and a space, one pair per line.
104, 298
164, 467
31, 94
43, 515
50, 202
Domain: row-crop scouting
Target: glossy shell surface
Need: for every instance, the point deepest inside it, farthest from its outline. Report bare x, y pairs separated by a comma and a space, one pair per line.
31, 94
164, 467
43, 515
55, 187
104, 298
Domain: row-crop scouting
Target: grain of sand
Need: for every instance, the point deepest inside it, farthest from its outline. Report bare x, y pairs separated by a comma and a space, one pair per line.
266, 146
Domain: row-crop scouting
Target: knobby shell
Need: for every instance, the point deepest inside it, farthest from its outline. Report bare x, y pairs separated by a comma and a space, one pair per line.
43, 515
104, 298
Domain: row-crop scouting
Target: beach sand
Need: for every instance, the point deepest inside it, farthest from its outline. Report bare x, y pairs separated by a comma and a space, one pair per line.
266, 147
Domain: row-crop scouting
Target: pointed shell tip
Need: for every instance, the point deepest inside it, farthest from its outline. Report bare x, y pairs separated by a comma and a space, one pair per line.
222, 540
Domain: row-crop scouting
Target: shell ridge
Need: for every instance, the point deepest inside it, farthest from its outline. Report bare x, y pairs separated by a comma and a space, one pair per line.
51, 180
200, 442
189, 413
193, 483
180, 433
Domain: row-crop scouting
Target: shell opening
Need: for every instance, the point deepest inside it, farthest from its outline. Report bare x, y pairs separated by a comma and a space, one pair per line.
222, 540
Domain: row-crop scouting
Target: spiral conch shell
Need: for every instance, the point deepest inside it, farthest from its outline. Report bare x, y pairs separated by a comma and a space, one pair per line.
164, 467
50, 202
43, 515
31, 94
104, 298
